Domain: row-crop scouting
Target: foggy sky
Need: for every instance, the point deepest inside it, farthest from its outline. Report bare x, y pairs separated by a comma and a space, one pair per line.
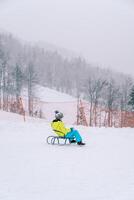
102, 31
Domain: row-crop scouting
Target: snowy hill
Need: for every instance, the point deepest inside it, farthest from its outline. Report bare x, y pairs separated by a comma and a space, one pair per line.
31, 169
49, 100
50, 95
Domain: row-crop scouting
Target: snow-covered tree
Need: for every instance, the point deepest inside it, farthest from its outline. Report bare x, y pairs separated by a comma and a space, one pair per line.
31, 78
131, 101
18, 80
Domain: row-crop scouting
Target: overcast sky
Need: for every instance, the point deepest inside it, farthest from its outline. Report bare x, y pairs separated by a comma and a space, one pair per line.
102, 31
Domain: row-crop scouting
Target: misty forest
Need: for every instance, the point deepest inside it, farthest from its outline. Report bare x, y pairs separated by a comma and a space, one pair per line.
23, 65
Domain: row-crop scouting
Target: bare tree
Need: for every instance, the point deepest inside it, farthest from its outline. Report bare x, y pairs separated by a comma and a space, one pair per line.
94, 88
4, 57
31, 78
112, 99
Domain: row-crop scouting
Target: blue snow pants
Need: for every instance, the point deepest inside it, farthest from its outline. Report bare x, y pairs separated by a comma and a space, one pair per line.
74, 134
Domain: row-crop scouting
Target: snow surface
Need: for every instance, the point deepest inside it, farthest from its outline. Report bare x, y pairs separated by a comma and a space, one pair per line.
49, 100
49, 95
30, 169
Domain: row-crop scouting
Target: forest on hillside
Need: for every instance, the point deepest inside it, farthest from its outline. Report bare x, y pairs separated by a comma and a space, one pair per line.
23, 65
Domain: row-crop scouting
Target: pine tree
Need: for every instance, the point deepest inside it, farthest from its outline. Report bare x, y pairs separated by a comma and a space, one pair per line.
131, 101
18, 79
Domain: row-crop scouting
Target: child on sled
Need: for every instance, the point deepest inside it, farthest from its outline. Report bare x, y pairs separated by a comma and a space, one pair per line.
69, 133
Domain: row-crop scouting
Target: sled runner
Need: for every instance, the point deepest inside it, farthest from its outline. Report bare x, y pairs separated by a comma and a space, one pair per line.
57, 140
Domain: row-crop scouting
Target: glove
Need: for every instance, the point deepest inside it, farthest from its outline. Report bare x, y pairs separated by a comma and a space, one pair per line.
71, 128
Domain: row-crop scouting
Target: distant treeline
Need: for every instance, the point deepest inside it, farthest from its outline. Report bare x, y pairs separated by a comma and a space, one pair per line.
23, 65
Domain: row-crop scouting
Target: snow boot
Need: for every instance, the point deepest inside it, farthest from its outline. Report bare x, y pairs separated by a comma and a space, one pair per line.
72, 141
80, 143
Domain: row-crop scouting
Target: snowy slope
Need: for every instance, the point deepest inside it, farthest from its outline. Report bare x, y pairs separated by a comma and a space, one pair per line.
49, 100
50, 95
32, 170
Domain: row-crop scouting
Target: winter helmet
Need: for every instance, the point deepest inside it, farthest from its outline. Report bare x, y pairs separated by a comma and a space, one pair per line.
58, 115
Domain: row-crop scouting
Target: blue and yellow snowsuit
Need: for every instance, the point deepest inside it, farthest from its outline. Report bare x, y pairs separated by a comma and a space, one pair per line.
60, 129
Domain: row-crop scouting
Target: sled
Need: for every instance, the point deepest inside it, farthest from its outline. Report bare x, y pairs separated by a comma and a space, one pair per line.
57, 140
